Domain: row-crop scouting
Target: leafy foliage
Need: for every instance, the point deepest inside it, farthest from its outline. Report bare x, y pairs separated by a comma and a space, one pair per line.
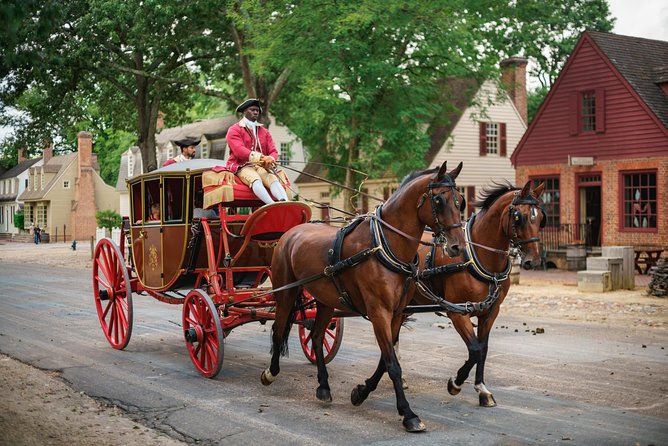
108, 219
19, 220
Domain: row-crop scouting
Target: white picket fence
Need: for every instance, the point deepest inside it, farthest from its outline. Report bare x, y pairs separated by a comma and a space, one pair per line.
101, 233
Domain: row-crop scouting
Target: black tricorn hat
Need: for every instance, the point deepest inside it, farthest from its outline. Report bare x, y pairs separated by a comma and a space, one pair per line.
248, 103
183, 143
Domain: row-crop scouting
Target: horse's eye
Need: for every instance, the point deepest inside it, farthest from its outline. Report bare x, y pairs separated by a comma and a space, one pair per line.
438, 202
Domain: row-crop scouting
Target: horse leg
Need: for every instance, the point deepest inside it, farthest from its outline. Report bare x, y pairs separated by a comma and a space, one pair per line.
322, 320
464, 327
362, 391
284, 318
387, 330
485, 397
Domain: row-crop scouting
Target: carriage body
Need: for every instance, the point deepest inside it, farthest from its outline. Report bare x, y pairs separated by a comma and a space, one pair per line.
211, 255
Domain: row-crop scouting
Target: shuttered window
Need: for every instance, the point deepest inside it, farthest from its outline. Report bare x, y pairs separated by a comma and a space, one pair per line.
492, 138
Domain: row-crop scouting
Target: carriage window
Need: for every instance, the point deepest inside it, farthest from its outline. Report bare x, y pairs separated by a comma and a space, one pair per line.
550, 199
151, 197
173, 200
137, 203
639, 200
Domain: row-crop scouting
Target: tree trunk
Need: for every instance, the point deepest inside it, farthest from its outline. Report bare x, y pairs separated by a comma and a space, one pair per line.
353, 154
147, 114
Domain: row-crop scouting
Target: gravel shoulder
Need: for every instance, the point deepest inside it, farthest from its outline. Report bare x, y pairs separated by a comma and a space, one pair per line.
39, 408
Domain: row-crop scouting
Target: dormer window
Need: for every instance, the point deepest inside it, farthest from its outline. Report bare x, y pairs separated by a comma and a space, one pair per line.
41, 180
131, 165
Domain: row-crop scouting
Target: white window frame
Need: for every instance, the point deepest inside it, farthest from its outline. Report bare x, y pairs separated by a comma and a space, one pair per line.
66, 184
131, 165
493, 143
204, 150
285, 154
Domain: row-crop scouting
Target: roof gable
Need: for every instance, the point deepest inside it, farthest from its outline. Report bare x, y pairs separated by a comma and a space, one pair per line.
641, 62
591, 65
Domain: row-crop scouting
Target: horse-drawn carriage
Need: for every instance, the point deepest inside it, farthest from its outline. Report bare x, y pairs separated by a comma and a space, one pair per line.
372, 267
200, 249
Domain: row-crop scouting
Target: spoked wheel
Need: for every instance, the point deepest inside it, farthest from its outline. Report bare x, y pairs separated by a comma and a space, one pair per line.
113, 293
333, 333
203, 333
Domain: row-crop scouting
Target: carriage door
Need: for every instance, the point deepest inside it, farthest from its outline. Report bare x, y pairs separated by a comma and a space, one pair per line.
152, 235
589, 209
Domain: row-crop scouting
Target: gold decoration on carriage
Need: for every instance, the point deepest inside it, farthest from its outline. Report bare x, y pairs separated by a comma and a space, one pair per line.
153, 257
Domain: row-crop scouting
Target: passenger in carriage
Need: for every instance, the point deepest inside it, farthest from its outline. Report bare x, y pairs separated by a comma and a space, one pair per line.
253, 154
154, 215
188, 150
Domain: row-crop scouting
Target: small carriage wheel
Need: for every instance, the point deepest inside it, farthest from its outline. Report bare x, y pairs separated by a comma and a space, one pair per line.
113, 293
333, 333
203, 333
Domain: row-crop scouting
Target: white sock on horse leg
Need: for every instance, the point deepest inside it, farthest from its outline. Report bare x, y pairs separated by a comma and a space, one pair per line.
278, 191
261, 192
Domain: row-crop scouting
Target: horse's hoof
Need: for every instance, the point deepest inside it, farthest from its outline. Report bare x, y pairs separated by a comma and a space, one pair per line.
356, 397
323, 395
414, 425
487, 400
453, 389
404, 384
267, 378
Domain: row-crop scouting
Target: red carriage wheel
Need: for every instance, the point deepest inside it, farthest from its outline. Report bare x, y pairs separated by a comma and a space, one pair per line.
333, 333
203, 333
113, 293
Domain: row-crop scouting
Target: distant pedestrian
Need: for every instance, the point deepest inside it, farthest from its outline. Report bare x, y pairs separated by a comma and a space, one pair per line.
38, 235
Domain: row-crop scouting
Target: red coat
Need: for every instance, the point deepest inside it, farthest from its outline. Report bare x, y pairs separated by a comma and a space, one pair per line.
241, 142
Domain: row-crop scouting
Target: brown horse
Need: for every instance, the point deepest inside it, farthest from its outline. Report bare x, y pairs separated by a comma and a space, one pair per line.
476, 283
374, 279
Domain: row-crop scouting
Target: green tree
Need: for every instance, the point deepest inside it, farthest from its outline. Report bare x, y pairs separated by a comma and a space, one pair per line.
546, 31
364, 76
63, 60
108, 219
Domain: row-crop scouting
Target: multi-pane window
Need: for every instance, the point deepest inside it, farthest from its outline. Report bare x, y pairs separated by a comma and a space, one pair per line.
492, 138
66, 184
639, 202
204, 150
285, 154
41, 215
550, 197
588, 112
27, 215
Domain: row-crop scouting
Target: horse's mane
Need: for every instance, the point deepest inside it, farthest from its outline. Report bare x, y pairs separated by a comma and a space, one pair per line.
416, 173
492, 193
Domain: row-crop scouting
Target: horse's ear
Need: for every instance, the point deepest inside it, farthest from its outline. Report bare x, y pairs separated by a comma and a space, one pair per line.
442, 170
526, 190
454, 172
538, 190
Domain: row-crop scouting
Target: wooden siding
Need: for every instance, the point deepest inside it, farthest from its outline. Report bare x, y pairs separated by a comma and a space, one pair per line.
463, 144
631, 129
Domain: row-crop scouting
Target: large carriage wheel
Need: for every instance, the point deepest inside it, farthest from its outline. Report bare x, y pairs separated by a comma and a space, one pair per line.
333, 333
203, 333
113, 293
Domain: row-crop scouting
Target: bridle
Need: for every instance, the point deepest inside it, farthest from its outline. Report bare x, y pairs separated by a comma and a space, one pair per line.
438, 202
516, 219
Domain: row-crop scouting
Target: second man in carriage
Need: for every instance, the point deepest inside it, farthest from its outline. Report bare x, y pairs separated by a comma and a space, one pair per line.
253, 154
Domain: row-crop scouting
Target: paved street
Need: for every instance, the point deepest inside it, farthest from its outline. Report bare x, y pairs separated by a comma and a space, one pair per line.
577, 382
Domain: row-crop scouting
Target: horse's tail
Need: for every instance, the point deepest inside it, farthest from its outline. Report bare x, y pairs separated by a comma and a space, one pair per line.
283, 348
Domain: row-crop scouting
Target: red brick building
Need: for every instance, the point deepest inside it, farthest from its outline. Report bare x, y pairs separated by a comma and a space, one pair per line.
600, 142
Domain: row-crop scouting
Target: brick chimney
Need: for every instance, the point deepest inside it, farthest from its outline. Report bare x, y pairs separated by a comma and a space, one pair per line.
514, 78
160, 122
83, 207
47, 154
21, 156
